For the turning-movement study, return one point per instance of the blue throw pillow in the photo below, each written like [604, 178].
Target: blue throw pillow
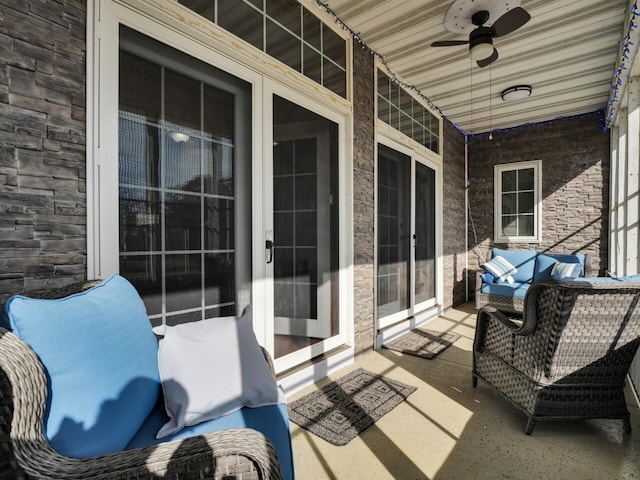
[100, 357]
[487, 277]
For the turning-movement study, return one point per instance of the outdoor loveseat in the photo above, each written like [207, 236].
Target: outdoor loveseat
[81, 397]
[569, 356]
[531, 266]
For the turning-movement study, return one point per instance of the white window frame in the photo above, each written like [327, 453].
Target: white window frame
[497, 202]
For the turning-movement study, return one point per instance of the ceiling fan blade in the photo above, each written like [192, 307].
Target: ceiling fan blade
[510, 21]
[489, 60]
[450, 43]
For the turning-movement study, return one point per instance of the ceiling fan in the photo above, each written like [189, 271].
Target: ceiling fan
[481, 38]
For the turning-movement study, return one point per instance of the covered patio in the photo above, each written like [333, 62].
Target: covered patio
[344, 168]
[449, 430]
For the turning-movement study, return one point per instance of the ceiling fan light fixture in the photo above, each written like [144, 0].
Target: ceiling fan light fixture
[481, 51]
[517, 92]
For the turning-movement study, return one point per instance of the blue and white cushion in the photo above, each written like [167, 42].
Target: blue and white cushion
[500, 268]
[566, 270]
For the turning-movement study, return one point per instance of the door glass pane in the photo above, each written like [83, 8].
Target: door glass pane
[305, 257]
[425, 234]
[184, 205]
[394, 230]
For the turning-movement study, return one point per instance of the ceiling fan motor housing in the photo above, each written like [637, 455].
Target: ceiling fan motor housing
[480, 35]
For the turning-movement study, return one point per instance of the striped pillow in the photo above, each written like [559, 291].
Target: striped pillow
[566, 270]
[500, 268]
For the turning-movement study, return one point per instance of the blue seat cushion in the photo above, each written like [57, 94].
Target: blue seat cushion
[506, 289]
[100, 358]
[270, 420]
[545, 262]
[523, 260]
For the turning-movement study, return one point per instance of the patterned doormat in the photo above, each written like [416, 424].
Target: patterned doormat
[342, 409]
[422, 343]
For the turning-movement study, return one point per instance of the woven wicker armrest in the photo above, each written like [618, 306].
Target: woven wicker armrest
[237, 453]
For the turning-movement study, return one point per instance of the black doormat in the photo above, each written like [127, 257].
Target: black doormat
[422, 343]
[342, 409]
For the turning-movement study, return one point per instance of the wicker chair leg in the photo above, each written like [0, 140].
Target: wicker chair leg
[474, 381]
[531, 423]
[627, 424]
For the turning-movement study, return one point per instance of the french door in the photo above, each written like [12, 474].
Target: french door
[303, 245]
[407, 274]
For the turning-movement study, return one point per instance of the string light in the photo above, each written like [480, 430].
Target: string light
[617, 81]
[598, 113]
[605, 123]
[392, 75]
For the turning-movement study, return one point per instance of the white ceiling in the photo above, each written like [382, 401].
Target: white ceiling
[567, 52]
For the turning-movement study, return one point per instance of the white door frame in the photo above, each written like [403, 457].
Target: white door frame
[184, 30]
[424, 158]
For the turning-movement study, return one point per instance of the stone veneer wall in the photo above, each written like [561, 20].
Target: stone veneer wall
[454, 277]
[363, 199]
[42, 144]
[575, 186]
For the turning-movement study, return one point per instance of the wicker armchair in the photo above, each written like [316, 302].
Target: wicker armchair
[25, 452]
[569, 356]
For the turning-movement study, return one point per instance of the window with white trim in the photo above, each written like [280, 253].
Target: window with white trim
[518, 202]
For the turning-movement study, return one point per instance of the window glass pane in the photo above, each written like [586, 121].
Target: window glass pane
[509, 203]
[138, 151]
[219, 278]
[383, 110]
[526, 202]
[286, 13]
[406, 103]
[142, 97]
[509, 225]
[526, 225]
[393, 196]
[178, 237]
[145, 272]
[182, 222]
[425, 240]
[312, 64]
[305, 227]
[202, 7]
[218, 168]
[406, 124]
[418, 133]
[241, 20]
[219, 224]
[182, 100]
[526, 179]
[183, 281]
[383, 85]
[335, 79]
[182, 162]
[139, 220]
[311, 26]
[283, 46]
[218, 114]
[334, 46]
[509, 181]
[407, 114]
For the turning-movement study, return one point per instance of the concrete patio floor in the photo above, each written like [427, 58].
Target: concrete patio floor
[448, 430]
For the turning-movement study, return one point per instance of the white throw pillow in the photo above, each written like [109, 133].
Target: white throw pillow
[500, 268]
[566, 270]
[211, 368]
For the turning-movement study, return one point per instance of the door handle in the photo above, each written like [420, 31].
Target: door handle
[269, 247]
